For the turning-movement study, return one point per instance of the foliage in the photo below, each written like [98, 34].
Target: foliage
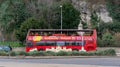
[108, 39]
[37, 53]
[107, 52]
[75, 53]
[22, 53]
[100, 42]
[71, 17]
[30, 23]
[12, 44]
[70, 20]
[13, 53]
[15, 18]
[3, 53]
[50, 53]
[94, 20]
[13, 14]
[61, 53]
[85, 26]
[115, 27]
[113, 7]
[117, 39]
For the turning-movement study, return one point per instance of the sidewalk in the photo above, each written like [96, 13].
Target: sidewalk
[11, 64]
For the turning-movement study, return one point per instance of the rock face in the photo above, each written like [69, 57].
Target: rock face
[86, 8]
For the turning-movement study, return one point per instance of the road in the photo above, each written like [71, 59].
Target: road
[111, 61]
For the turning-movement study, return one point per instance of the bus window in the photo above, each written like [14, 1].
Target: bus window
[70, 43]
[60, 43]
[29, 44]
[41, 43]
[50, 43]
[79, 43]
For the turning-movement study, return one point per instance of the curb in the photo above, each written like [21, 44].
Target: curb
[54, 57]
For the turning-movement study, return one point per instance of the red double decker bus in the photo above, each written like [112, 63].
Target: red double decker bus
[60, 40]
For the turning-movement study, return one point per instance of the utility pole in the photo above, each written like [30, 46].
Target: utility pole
[61, 18]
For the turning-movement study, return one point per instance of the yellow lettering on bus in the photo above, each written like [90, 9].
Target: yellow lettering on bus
[37, 38]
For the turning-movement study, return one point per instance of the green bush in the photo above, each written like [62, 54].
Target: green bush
[12, 44]
[108, 52]
[107, 40]
[34, 53]
[62, 53]
[3, 53]
[37, 53]
[41, 53]
[75, 53]
[22, 53]
[12, 53]
[90, 53]
[83, 54]
[50, 53]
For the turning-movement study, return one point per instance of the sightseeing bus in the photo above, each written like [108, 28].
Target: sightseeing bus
[60, 40]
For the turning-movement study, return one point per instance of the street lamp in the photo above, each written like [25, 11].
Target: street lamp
[61, 18]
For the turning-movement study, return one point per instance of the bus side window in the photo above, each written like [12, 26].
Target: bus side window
[48, 43]
[79, 43]
[41, 43]
[69, 43]
[60, 43]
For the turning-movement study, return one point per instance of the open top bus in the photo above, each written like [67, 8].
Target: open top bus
[60, 40]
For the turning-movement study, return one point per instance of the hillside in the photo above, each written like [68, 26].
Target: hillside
[102, 15]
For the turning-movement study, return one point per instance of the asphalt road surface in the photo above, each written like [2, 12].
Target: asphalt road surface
[111, 61]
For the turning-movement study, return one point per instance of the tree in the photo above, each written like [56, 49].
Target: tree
[13, 13]
[113, 7]
[19, 14]
[115, 27]
[94, 20]
[30, 23]
[71, 16]
[108, 39]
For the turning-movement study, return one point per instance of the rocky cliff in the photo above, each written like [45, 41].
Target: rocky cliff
[87, 7]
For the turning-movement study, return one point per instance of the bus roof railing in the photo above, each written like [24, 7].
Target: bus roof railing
[52, 30]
